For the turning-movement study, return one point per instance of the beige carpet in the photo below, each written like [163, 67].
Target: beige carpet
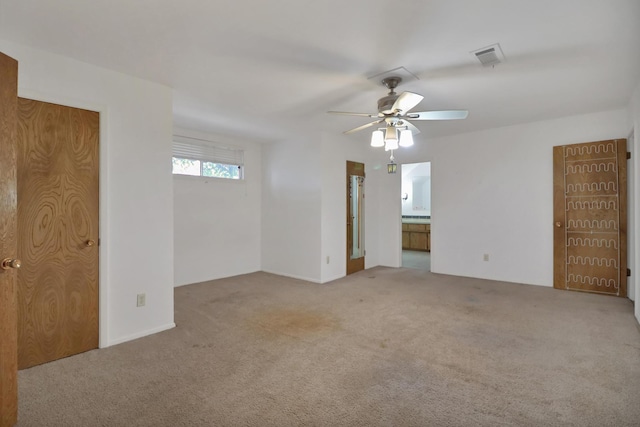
[384, 347]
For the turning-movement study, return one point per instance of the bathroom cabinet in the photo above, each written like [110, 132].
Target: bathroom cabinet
[416, 237]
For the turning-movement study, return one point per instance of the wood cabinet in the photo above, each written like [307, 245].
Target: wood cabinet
[416, 237]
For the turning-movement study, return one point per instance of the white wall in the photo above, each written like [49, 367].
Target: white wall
[492, 193]
[336, 150]
[634, 198]
[291, 192]
[217, 221]
[304, 206]
[136, 210]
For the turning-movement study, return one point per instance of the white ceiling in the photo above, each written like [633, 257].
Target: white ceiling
[264, 69]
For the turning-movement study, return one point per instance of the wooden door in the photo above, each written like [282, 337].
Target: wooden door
[8, 249]
[590, 216]
[58, 229]
[355, 217]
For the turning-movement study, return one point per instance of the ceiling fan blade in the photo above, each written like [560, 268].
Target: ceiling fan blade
[410, 126]
[406, 101]
[363, 127]
[346, 113]
[438, 115]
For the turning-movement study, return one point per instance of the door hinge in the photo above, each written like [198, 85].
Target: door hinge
[628, 272]
[628, 155]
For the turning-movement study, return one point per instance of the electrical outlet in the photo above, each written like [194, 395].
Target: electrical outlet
[328, 259]
[142, 300]
[486, 257]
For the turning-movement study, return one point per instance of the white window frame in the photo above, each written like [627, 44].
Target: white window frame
[206, 151]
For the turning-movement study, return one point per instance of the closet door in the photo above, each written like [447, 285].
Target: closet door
[590, 217]
[58, 189]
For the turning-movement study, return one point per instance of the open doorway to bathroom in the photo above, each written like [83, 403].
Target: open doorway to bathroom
[416, 215]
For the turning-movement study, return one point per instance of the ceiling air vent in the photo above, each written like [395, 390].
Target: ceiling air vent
[489, 56]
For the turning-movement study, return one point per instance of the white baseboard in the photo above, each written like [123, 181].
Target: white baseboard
[196, 280]
[331, 279]
[140, 335]
[293, 276]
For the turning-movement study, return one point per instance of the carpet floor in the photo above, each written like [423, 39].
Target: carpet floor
[382, 347]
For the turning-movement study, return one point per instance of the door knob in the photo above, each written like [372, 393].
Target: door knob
[8, 263]
[89, 243]
[558, 224]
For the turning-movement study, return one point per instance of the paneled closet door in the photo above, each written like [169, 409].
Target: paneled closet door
[590, 217]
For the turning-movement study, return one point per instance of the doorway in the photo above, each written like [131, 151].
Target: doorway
[416, 215]
[355, 217]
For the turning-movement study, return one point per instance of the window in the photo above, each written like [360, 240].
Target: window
[198, 157]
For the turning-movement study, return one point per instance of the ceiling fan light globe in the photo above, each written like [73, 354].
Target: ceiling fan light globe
[377, 139]
[391, 138]
[391, 144]
[406, 138]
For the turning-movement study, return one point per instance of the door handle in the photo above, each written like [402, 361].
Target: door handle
[8, 263]
[558, 224]
[89, 243]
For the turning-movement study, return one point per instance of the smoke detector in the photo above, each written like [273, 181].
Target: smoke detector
[489, 56]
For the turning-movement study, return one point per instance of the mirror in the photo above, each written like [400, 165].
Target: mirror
[356, 206]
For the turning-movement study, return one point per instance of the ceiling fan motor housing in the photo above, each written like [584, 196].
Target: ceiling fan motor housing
[393, 110]
[386, 102]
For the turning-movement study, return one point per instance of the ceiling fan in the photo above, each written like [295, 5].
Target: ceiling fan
[393, 110]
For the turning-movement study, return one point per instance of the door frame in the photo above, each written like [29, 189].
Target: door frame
[358, 264]
[103, 265]
[632, 286]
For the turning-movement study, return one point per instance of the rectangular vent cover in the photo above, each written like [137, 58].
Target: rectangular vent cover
[402, 72]
[490, 55]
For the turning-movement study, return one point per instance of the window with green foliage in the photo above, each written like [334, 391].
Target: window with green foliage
[197, 157]
[220, 170]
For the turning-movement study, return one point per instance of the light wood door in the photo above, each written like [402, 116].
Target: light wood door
[355, 217]
[590, 217]
[8, 249]
[58, 228]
